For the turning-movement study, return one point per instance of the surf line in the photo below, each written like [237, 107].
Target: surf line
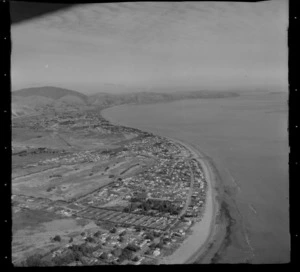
[233, 180]
[249, 245]
[252, 208]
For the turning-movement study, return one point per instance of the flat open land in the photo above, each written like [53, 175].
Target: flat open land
[75, 181]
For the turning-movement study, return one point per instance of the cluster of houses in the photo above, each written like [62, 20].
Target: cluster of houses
[137, 234]
[117, 245]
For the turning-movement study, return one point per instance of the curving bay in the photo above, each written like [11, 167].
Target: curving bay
[245, 142]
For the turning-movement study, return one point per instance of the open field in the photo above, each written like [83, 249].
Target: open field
[66, 181]
[32, 232]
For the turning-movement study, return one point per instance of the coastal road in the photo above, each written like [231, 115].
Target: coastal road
[188, 201]
[202, 232]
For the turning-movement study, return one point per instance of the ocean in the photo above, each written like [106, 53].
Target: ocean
[247, 138]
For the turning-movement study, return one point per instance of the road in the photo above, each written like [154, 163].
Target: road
[188, 200]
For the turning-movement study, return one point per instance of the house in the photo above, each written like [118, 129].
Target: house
[156, 252]
[56, 253]
[97, 253]
[75, 263]
[142, 244]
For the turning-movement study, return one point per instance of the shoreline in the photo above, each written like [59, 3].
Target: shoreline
[229, 229]
[190, 251]
[203, 232]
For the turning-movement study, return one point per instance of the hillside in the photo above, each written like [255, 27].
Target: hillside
[36, 100]
[48, 91]
[151, 97]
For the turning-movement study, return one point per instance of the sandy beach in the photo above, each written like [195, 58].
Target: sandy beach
[206, 236]
[202, 232]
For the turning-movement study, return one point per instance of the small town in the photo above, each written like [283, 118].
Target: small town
[154, 191]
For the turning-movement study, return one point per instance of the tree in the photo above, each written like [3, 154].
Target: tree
[126, 209]
[138, 228]
[104, 256]
[127, 254]
[135, 259]
[117, 252]
[113, 230]
[36, 260]
[160, 244]
[57, 238]
[150, 236]
[97, 234]
[132, 247]
[156, 234]
[90, 239]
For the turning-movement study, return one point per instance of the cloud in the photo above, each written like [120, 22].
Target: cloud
[149, 42]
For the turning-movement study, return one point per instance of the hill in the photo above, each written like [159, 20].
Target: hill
[48, 91]
[36, 100]
[151, 97]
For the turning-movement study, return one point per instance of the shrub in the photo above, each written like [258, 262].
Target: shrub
[126, 209]
[150, 236]
[90, 239]
[126, 254]
[66, 259]
[132, 247]
[135, 259]
[113, 230]
[97, 234]
[57, 238]
[36, 260]
[117, 252]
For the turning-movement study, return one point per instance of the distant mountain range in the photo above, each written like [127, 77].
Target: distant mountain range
[34, 100]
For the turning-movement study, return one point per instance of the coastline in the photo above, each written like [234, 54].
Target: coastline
[228, 240]
[204, 233]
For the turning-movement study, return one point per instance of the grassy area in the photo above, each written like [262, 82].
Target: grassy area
[82, 222]
[31, 219]
[21, 161]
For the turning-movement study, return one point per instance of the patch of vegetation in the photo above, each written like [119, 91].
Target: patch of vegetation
[82, 222]
[57, 238]
[36, 260]
[31, 219]
[151, 204]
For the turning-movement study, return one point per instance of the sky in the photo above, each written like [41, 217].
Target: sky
[152, 46]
